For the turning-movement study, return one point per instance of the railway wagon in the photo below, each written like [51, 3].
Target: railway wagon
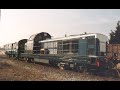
[113, 51]
[77, 52]
[11, 49]
[26, 46]
[32, 46]
[15, 49]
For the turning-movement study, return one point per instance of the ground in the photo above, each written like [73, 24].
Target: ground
[16, 70]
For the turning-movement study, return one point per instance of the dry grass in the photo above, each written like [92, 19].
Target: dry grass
[15, 70]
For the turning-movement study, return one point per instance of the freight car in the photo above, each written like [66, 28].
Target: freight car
[113, 51]
[15, 49]
[26, 46]
[11, 49]
[83, 52]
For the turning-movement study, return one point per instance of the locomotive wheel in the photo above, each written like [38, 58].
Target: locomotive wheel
[79, 69]
[53, 64]
[110, 65]
[32, 60]
[61, 66]
[114, 73]
[26, 60]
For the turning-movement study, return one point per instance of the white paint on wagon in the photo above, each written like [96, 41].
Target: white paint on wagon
[41, 60]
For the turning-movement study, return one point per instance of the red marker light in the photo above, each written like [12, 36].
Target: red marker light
[97, 63]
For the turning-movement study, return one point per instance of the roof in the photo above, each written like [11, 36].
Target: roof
[32, 37]
[45, 34]
[70, 37]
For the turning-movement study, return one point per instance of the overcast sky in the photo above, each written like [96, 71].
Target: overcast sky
[18, 24]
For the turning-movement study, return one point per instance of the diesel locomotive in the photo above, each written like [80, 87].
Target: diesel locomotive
[81, 52]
